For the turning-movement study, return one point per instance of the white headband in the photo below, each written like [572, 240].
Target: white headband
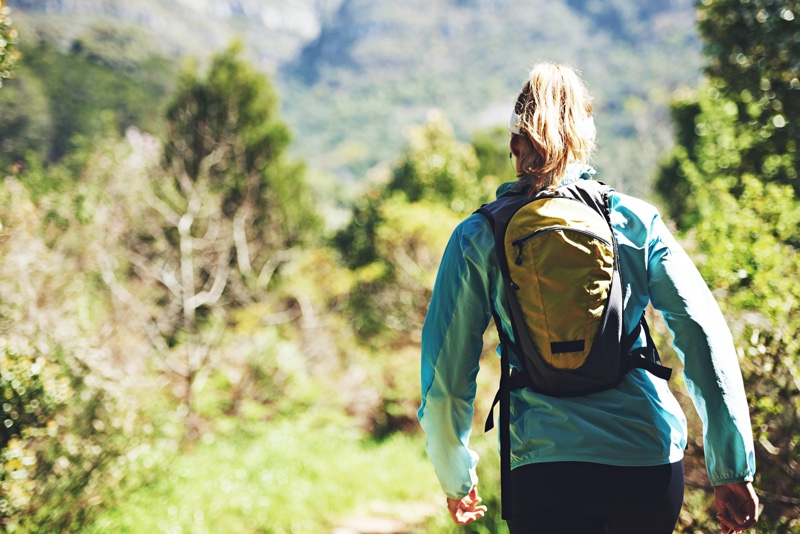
[514, 123]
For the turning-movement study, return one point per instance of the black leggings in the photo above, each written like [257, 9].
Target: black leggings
[588, 498]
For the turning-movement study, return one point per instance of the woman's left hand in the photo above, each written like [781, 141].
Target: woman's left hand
[466, 510]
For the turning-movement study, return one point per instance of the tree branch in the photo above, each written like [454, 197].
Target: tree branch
[272, 264]
[240, 240]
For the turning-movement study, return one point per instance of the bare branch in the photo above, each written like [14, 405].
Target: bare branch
[272, 265]
[240, 239]
[170, 192]
[212, 159]
[170, 215]
[239, 292]
[212, 236]
[164, 275]
[187, 268]
[307, 311]
[204, 351]
[283, 317]
[171, 365]
[140, 312]
[220, 277]
[187, 186]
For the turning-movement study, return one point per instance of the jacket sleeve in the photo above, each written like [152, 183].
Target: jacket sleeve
[704, 343]
[452, 342]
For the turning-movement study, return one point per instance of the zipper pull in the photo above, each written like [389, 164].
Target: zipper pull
[513, 284]
[518, 259]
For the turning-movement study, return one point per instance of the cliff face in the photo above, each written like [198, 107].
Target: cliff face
[275, 30]
[378, 65]
[353, 74]
[311, 36]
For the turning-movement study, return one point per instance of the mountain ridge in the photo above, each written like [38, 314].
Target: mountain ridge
[353, 74]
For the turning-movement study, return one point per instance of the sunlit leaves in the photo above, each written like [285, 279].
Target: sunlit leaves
[746, 245]
[439, 168]
[733, 183]
[9, 54]
[62, 431]
[399, 228]
[59, 432]
[753, 48]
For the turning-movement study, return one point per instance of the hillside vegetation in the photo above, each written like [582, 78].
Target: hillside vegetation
[354, 74]
[214, 271]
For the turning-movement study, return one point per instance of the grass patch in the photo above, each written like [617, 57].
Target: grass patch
[274, 477]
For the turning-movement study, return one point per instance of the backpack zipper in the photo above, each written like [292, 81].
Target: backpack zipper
[520, 241]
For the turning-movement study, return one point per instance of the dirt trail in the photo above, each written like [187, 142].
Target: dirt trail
[385, 518]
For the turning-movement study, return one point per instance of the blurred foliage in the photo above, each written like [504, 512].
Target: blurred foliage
[392, 246]
[227, 125]
[749, 256]
[9, 39]
[66, 424]
[731, 184]
[749, 110]
[71, 97]
[207, 222]
[401, 224]
[312, 472]
[62, 441]
[494, 154]
[753, 48]
[438, 168]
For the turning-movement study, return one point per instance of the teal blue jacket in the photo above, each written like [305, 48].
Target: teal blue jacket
[638, 423]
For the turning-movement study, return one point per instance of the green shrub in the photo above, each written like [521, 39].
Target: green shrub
[61, 438]
[8, 44]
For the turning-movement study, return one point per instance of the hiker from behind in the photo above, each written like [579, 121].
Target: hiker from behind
[591, 437]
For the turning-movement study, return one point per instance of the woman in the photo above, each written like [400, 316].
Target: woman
[610, 461]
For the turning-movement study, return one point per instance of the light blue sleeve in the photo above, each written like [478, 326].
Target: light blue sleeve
[704, 343]
[452, 341]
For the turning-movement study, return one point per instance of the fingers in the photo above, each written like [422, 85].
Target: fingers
[466, 510]
[726, 524]
[738, 507]
[464, 517]
[735, 524]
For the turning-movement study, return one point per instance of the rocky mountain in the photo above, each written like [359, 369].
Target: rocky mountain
[275, 30]
[353, 74]
[378, 65]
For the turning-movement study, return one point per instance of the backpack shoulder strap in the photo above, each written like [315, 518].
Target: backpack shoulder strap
[499, 213]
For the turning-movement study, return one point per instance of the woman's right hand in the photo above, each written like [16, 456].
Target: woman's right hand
[737, 504]
[466, 510]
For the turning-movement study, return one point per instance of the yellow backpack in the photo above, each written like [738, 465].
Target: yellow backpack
[560, 266]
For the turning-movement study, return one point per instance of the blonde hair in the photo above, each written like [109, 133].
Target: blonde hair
[554, 112]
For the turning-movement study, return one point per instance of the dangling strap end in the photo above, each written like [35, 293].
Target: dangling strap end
[662, 372]
[490, 418]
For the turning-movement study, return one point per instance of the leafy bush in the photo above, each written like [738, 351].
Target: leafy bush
[743, 230]
[732, 185]
[400, 227]
[8, 44]
[62, 438]
[750, 258]
[65, 420]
